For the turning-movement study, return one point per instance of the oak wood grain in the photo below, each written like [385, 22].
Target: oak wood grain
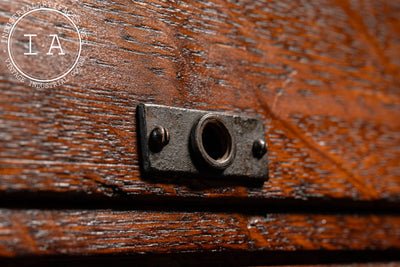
[322, 76]
[95, 232]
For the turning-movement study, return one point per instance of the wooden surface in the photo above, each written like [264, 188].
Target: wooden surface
[323, 77]
[88, 232]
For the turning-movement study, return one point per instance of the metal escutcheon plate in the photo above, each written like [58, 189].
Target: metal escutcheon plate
[186, 142]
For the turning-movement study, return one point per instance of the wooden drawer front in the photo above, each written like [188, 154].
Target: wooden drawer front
[94, 232]
[322, 77]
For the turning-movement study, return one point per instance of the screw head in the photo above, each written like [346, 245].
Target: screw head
[159, 138]
[259, 148]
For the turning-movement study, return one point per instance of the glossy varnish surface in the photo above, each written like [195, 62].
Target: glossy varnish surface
[88, 232]
[323, 77]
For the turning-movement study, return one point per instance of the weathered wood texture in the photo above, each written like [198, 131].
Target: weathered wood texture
[75, 232]
[322, 75]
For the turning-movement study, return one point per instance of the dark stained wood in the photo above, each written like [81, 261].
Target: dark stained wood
[92, 232]
[322, 75]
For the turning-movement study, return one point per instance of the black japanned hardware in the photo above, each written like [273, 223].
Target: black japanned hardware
[205, 144]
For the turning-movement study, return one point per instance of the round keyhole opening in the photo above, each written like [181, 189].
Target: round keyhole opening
[212, 142]
[217, 141]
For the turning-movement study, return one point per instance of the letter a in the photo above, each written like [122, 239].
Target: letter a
[55, 37]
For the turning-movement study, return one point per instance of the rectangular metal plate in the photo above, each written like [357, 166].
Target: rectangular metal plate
[176, 157]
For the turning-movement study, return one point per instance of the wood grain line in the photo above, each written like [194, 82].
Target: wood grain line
[79, 232]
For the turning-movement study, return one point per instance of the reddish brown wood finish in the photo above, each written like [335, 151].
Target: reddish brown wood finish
[322, 75]
[76, 232]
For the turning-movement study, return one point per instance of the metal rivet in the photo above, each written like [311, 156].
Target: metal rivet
[159, 138]
[259, 148]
